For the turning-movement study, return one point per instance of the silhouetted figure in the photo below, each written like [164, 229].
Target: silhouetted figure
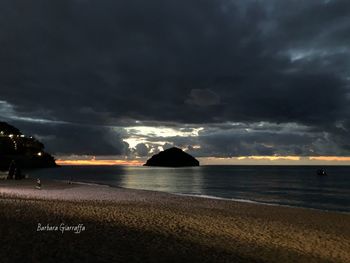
[12, 169]
[38, 184]
[70, 179]
[18, 173]
[321, 172]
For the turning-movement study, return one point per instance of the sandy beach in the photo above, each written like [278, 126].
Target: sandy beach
[123, 225]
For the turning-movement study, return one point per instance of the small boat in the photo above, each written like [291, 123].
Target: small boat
[321, 172]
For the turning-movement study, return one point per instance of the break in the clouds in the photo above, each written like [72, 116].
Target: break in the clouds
[81, 69]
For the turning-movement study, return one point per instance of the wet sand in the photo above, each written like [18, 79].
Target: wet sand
[123, 225]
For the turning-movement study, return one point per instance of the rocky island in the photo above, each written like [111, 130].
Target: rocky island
[26, 151]
[173, 157]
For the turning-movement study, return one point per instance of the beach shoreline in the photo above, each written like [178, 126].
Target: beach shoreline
[53, 184]
[176, 227]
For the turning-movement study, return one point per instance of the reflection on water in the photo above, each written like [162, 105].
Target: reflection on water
[296, 185]
[175, 180]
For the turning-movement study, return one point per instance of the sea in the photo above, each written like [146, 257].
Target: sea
[297, 186]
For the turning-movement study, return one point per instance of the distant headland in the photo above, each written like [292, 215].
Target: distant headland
[173, 157]
[27, 152]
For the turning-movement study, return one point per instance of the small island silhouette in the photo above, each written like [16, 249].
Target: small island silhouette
[173, 157]
[26, 152]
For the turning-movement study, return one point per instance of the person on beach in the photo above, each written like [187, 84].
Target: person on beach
[12, 169]
[18, 173]
[38, 184]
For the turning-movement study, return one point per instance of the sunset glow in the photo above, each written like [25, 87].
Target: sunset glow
[100, 162]
[271, 158]
[241, 160]
[331, 158]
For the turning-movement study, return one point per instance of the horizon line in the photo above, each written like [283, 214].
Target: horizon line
[239, 160]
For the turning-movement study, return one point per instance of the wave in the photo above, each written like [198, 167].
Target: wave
[89, 184]
[216, 198]
[257, 202]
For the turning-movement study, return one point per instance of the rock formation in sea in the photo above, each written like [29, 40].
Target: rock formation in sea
[26, 151]
[173, 157]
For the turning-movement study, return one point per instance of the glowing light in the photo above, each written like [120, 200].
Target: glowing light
[39, 154]
[162, 131]
[141, 134]
[133, 141]
[271, 158]
[240, 160]
[196, 146]
[277, 160]
[93, 161]
[331, 158]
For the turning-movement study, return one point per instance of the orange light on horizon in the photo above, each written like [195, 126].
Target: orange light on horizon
[270, 158]
[217, 161]
[99, 162]
[330, 158]
[276, 160]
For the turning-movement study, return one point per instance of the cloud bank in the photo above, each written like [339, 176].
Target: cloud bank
[259, 77]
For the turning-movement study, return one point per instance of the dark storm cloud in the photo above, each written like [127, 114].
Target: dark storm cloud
[65, 139]
[195, 62]
[204, 97]
[142, 150]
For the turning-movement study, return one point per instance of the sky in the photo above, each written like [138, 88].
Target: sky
[229, 81]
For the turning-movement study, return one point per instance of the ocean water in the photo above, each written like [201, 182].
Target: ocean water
[281, 185]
